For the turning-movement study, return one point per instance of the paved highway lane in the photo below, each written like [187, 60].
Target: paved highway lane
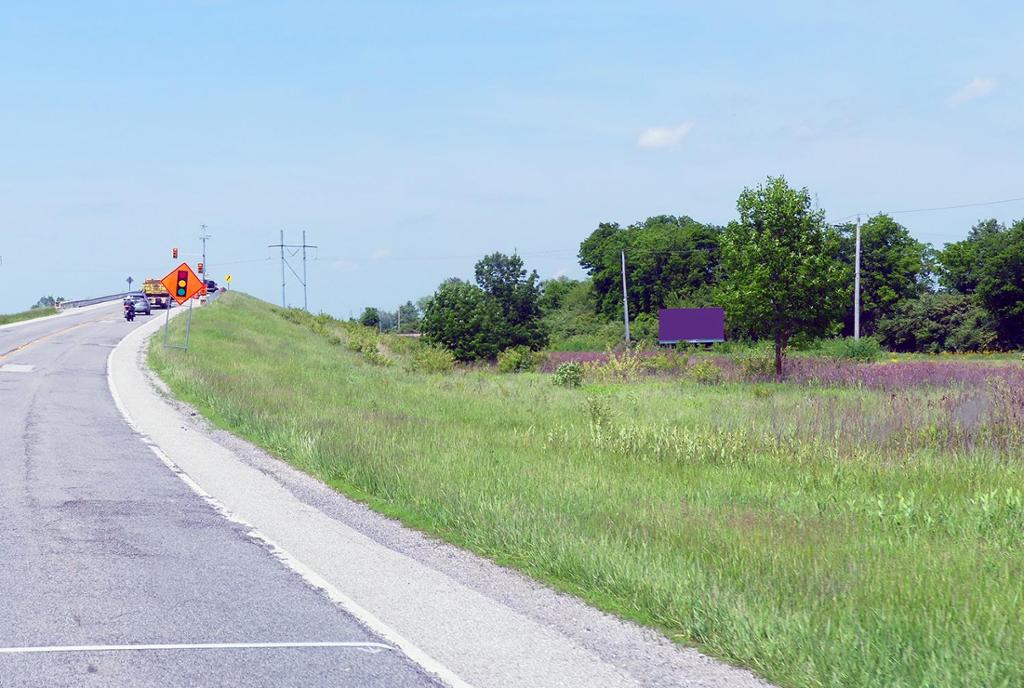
[101, 545]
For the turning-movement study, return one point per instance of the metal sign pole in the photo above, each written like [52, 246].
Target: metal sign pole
[188, 325]
[167, 320]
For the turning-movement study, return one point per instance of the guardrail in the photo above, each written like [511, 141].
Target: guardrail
[88, 302]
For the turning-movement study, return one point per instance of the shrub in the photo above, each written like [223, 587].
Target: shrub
[707, 373]
[865, 349]
[518, 359]
[625, 366]
[666, 362]
[569, 374]
[432, 359]
[756, 365]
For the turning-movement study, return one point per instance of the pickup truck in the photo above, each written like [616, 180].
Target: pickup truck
[157, 293]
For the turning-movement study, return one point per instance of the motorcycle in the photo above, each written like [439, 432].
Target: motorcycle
[129, 312]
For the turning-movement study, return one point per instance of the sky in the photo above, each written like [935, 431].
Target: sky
[409, 138]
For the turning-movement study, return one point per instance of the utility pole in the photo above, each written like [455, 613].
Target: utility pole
[856, 286]
[625, 297]
[204, 236]
[284, 263]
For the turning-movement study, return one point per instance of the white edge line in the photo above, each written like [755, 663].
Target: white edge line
[376, 647]
[412, 651]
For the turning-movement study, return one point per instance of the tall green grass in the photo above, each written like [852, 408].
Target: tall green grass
[731, 517]
[26, 315]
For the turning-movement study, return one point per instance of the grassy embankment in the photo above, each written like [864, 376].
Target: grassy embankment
[813, 535]
[26, 315]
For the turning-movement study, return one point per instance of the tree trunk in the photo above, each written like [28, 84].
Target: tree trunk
[779, 347]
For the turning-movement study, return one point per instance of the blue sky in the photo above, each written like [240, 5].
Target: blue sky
[409, 138]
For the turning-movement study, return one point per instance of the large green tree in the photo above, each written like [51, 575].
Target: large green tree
[989, 263]
[463, 318]
[668, 260]
[782, 275]
[518, 295]
[893, 267]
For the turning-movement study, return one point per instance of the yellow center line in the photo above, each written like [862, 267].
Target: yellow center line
[22, 347]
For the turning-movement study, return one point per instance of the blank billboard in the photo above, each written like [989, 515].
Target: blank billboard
[693, 325]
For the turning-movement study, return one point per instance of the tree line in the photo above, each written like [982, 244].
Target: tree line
[781, 272]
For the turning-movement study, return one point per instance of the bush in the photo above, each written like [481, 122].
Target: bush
[625, 366]
[432, 359]
[865, 349]
[756, 365]
[569, 374]
[707, 373]
[518, 359]
[666, 362]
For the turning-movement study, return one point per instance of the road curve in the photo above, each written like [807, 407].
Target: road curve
[115, 573]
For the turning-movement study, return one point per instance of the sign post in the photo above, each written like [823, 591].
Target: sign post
[182, 284]
[130, 280]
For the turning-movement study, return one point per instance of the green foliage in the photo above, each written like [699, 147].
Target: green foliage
[756, 364]
[48, 302]
[370, 317]
[569, 374]
[518, 295]
[517, 359]
[465, 320]
[575, 325]
[623, 366]
[893, 268]
[432, 359]
[644, 327]
[865, 349]
[666, 361]
[667, 257]
[705, 372]
[990, 263]
[938, 322]
[782, 277]
[408, 317]
[477, 321]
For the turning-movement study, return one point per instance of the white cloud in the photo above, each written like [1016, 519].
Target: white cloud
[663, 137]
[976, 88]
[381, 254]
[344, 265]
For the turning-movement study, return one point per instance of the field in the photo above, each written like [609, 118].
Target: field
[840, 534]
[26, 315]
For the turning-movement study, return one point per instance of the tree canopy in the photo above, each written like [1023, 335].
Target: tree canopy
[893, 268]
[669, 259]
[990, 264]
[782, 275]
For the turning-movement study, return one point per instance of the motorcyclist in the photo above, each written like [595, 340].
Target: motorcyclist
[129, 310]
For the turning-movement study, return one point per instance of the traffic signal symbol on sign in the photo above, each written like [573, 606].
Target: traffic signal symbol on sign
[182, 284]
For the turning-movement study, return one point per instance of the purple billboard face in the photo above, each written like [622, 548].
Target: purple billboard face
[696, 325]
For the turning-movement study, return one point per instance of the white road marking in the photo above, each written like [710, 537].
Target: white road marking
[16, 368]
[370, 647]
[368, 618]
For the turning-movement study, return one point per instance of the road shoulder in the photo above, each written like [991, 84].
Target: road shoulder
[471, 621]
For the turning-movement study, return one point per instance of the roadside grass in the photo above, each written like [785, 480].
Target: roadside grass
[742, 519]
[26, 315]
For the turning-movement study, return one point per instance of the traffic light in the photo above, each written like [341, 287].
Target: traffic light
[200, 266]
[182, 283]
[174, 253]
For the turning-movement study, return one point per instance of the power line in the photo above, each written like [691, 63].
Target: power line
[939, 207]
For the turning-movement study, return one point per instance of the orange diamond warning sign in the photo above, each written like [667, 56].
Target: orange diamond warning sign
[182, 283]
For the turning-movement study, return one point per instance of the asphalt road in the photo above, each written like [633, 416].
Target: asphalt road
[102, 545]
